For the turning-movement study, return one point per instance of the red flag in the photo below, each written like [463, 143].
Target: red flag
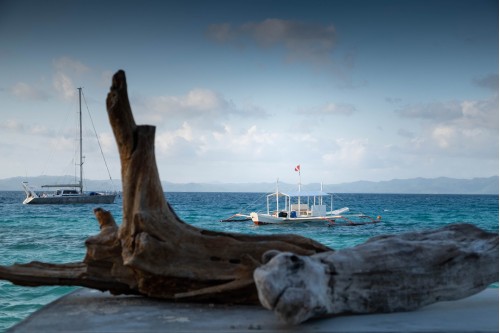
[297, 168]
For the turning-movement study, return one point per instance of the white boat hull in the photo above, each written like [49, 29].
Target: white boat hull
[260, 219]
[77, 199]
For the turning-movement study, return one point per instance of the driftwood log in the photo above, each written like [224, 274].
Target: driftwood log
[385, 274]
[154, 253]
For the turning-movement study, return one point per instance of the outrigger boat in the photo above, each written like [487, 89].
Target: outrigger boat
[303, 207]
[306, 207]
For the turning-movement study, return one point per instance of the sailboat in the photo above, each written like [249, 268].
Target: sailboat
[68, 193]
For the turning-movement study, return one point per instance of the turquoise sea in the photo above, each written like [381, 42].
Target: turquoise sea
[57, 233]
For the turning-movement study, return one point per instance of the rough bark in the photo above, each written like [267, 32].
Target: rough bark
[153, 252]
[385, 274]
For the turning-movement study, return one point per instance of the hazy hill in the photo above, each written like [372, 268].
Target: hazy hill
[442, 185]
[14, 184]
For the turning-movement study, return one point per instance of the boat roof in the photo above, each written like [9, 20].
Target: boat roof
[302, 194]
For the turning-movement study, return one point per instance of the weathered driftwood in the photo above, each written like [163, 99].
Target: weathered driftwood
[153, 252]
[385, 274]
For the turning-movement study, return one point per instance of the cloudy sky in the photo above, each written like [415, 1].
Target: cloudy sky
[243, 91]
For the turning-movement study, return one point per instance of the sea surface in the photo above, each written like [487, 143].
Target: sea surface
[57, 233]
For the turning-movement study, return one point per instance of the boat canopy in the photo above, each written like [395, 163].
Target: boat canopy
[301, 194]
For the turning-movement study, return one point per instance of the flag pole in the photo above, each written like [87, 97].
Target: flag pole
[297, 168]
[300, 183]
[300, 179]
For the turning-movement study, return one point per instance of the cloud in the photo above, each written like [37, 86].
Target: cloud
[196, 103]
[406, 133]
[202, 100]
[188, 143]
[12, 125]
[69, 65]
[443, 136]
[348, 152]
[172, 143]
[467, 128]
[200, 107]
[62, 143]
[25, 91]
[105, 77]
[489, 82]
[64, 86]
[16, 126]
[330, 109]
[203, 125]
[437, 111]
[304, 41]
[393, 100]
[108, 143]
[222, 32]
[66, 71]
[482, 113]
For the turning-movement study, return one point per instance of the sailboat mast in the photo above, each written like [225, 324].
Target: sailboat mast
[81, 141]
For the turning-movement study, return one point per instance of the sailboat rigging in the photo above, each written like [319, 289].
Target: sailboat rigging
[68, 193]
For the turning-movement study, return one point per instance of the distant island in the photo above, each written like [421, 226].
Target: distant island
[441, 185]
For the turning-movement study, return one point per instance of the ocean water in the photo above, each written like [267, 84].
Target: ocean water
[57, 233]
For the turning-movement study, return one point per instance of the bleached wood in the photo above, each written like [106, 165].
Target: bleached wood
[385, 274]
